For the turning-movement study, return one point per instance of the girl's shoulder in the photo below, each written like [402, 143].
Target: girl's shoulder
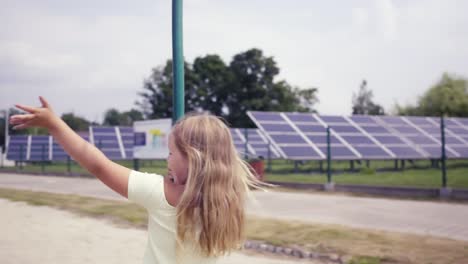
[148, 190]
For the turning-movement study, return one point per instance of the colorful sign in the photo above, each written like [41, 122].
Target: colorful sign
[156, 138]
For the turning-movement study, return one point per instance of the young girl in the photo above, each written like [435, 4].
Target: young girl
[196, 212]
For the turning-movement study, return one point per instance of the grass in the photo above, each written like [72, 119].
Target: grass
[418, 174]
[456, 178]
[362, 246]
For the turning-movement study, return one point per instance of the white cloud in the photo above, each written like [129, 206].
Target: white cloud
[388, 14]
[94, 55]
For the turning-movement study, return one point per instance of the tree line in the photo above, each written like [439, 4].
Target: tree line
[249, 82]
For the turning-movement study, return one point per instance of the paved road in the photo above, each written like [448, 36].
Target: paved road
[420, 217]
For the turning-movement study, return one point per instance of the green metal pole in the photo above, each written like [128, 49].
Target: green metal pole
[21, 157]
[177, 62]
[444, 157]
[328, 156]
[136, 164]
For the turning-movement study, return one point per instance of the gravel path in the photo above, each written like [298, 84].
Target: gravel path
[43, 235]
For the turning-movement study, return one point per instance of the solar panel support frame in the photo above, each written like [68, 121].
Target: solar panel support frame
[403, 138]
[259, 126]
[452, 134]
[119, 141]
[306, 139]
[422, 131]
[344, 142]
[28, 148]
[372, 138]
[460, 123]
[50, 147]
[91, 135]
[270, 145]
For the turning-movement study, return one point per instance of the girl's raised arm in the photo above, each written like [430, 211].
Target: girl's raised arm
[88, 156]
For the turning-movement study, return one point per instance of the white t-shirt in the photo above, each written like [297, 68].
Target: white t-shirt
[147, 190]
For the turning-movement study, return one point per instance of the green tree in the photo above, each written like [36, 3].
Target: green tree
[75, 122]
[449, 96]
[113, 117]
[211, 84]
[133, 115]
[254, 88]
[307, 99]
[156, 97]
[363, 103]
[227, 91]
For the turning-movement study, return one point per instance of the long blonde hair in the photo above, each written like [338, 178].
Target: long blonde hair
[210, 212]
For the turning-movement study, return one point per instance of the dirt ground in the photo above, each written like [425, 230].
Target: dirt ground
[43, 235]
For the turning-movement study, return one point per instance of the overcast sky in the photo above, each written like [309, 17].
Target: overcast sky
[88, 56]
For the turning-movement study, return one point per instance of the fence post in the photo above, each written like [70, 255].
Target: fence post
[329, 186]
[444, 157]
[445, 192]
[42, 159]
[68, 164]
[136, 164]
[1, 157]
[21, 157]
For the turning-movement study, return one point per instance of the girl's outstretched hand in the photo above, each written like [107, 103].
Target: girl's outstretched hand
[35, 116]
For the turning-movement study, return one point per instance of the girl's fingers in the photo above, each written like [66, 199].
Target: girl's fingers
[22, 126]
[23, 117]
[26, 108]
[18, 119]
[44, 102]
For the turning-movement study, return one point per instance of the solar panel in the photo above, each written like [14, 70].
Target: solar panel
[361, 120]
[107, 140]
[375, 130]
[399, 137]
[257, 143]
[128, 138]
[430, 141]
[115, 142]
[357, 140]
[295, 117]
[322, 139]
[405, 152]
[39, 148]
[17, 147]
[58, 153]
[300, 152]
[303, 135]
[372, 151]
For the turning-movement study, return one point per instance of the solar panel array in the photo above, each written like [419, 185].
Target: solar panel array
[302, 136]
[115, 142]
[297, 136]
[257, 144]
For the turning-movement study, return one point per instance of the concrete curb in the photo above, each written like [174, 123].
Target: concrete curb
[296, 252]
